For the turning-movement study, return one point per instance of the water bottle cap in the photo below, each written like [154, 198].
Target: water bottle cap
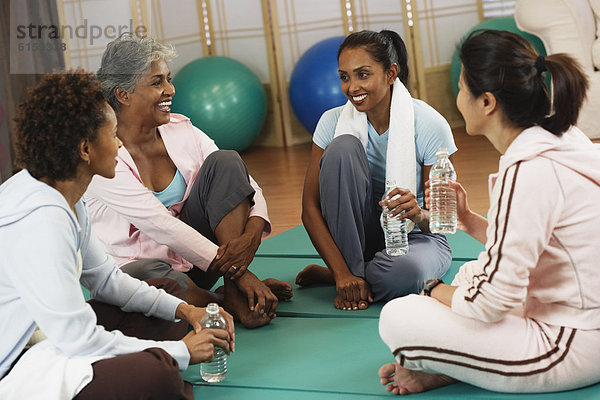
[390, 184]
[212, 308]
[442, 151]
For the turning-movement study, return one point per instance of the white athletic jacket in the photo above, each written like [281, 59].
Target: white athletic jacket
[543, 237]
[40, 238]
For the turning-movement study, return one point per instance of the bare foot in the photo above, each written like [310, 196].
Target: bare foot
[236, 303]
[314, 274]
[343, 304]
[281, 289]
[405, 381]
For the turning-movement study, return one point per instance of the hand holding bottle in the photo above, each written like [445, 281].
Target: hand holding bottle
[442, 201]
[202, 345]
[193, 315]
[399, 200]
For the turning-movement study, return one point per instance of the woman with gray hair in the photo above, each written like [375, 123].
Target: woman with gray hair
[178, 207]
[132, 339]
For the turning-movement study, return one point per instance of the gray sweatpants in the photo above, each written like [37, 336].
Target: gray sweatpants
[221, 184]
[351, 210]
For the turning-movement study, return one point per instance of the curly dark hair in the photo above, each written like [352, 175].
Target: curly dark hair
[58, 113]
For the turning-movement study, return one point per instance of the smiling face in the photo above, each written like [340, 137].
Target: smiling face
[103, 149]
[151, 99]
[364, 81]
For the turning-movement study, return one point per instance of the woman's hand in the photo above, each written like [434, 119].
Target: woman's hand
[466, 220]
[399, 200]
[462, 206]
[351, 291]
[201, 345]
[260, 297]
[234, 256]
[193, 315]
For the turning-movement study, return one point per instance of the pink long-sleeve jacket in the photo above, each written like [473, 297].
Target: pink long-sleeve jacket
[543, 237]
[133, 224]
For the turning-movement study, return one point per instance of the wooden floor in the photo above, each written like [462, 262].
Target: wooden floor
[280, 173]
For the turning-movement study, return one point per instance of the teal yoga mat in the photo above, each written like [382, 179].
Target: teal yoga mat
[230, 393]
[464, 247]
[339, 355]
[296, 243]
[454, 392]
[326, 358]
[291, 243]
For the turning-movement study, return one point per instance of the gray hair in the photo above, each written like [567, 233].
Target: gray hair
[125, 60]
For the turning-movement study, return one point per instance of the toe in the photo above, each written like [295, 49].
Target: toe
[347, 305]
[386, 370]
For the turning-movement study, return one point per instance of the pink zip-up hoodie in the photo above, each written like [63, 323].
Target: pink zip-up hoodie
[543, 237]
[133, 224]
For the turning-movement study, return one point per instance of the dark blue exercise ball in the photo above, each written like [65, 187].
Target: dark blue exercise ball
[315, 83]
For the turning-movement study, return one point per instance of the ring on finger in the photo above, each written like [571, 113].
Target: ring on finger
[233, 267]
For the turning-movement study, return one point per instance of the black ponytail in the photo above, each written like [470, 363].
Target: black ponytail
[569, 84]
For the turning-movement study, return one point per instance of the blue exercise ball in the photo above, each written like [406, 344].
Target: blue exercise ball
[501, 24]
[223, 98]
[315, 82]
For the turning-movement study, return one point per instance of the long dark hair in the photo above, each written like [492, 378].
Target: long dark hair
[506, 65]
[386, 47]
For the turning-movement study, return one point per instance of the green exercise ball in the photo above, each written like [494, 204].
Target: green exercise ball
[500, 24]
[223, 98]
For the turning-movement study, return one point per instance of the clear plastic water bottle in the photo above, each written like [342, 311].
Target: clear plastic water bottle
[215, 370]
[443, 198]
[396, 235]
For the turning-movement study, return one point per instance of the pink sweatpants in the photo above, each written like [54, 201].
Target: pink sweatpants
[516, 354]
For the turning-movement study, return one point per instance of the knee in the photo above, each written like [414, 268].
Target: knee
[224, 157]
[400, 319]
[391, 281]
[138, 269]
[225, 164]
[342, 147]
[168, 285]
[147, 269]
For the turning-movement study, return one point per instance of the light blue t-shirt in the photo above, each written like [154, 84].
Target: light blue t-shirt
[431, 132]
[174, 192]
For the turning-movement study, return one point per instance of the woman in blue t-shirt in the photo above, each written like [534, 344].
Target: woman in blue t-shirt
[345, 182]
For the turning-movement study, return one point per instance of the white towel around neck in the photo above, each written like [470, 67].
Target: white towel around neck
[400, 165]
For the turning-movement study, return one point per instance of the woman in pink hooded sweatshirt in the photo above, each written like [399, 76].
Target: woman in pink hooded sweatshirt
[524, 316]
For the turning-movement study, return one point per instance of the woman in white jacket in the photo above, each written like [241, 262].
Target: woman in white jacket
[524, 316]
[126, 343]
